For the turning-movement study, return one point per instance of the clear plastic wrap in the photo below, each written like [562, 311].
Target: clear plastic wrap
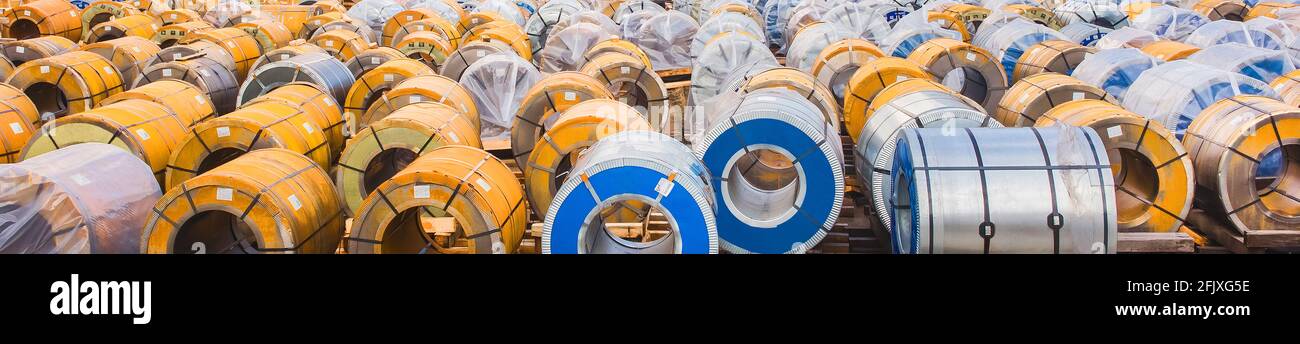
[1262, 64]
[1083, 33]
[726, 22]
[593, 17]
[1174, 93]
[374, 13]
[804, 13]
[704, 12]
[441, 7]
[1126, 37]
[632, 22]
[911, 31]
[776, 13]
[506, 8]
[811, 41]
[1228, 31]
[863, 20]
[83, 198]
[564, 49]
[1169, 21]
[993, 4]
[225, 11]
[1011, 39]
[725, 56]
[1114, 70]
[498, 83]
[1103, 13]
[540, 25]
[666, 39]
[635, 6]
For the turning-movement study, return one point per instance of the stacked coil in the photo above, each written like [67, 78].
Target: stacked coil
[43, 18]
[136, 25]
[835, 65]
[867, 82]
[1030, 97]
[575, 129]
[175, 33]
[18, 118]
[67, 83]
[325, 72]
[1051, 56]
[210, 75]
[149, 130]
[633, 82]
[372, 58]
[19, 52]
[130, 55]
[550, 96]
[968, 69]
[372, 85]
[1113, 70]
[239, 44]
[1174, 93]
[424, 88]
[184, 100]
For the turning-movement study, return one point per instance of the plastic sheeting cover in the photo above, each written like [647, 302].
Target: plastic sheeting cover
[1174, 93]
[1114, 70]
[912, 31]
[1126, 37]
[97, 197]
[1169, 21]
[1011, 40]
[666, 38]
[726, 22]
[507, 9]
[374, 12]
[498, 83]
[1228, 31]
[1262, 64]
[864, 20]
[564, 49]
[810, 43]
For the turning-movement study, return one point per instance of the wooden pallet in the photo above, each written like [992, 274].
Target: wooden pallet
[1244, 241]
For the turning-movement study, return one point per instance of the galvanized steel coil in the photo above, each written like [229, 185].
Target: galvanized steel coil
[1176, 92]
[835, 65]
[1100, 13]
[1113, 70]
[967, 69]
[719, 59]
[295, 48]
[219, 83]
[1258, 63]
[498, 84]
[1084, 34]
[319, 69]
[1050, 56]
[1012, 39]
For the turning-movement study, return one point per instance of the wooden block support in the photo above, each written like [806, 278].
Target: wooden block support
[1173, 242]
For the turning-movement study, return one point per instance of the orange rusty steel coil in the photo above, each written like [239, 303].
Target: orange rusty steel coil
[19, 52]
[175, 33]
[186, 101]
[634, 83]
[68, 83]
[1266, 9]
[319, 69]
[424, 88]
[135, 25]
[1168, 50]
[129, 55]
[13, 98]
[268, 201]
[292, 16]
[371, 58]
[258, 125]
[426, 46]
[837, 62]
[294, 48]
[178, 16]
[311, 97]
[269, 34]
[371, 86]
[1038, 15]
[341, 44]
[511, 35]
[374, 155]
[214, 79]
[462, 182]
[349, 24]
[326, 6]
[467, 54]
[981, 77]
[395, 23]
[868, 81]
[1030, 97]
[572, 131]
[1052, 55]
[6, 67]
[618, 46]
[1221, 9]
[43, 18]
[1228, 142]
[147, 129]
[443, 27]
[1288, 87]
[551, 95]
[316, 22]
[469, 21]
[1153, 175]
[103, 11]
[238, 43]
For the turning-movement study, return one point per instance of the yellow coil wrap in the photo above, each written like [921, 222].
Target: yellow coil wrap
[395, 23]
[103, 11]
[129, 55]
[424, 88]
[951, 22]
[147, 129]
[19, 52]
[372, 85]
[800, 82]
[16, 117]
[14, 98]
[1054, 56]
[177, 16]
[1288, 87]
[469, 21]
[461, 182]
[68, 83]
[43, 18]
[970, 16]
[135, 25]
[238, 43]
[187, 102]
[1266, 9]
[293, 49]
[311, 98]
[341, 44]
[211, 76]
[1039, 15]
[1221, 9]
[314, 22]
[632, 82]
[575, 129]
[371, 59]
[837, 62]
[510, 34]
[443, 27]
[270, 35]
[384, 148]
[175, 33]
[617, 46]
[1153, 175]
[942, 56]
[292, 16]
[868, 81]
[553, 94]
[426, 46]
[1031, 97]
[1169, 50]
[268, 201]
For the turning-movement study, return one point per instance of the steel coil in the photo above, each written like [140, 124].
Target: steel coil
[6, 67]
[1011, 41]
[374, 155]
[632, 83]
[1152, 172]
[268, 201]
[1125, 37]
[1168, 22]
[17, 118]
[551, 95]
[617, 46]
[1038, 15]
[1113, 70]
[103, 11]
[199, 48]
[269, 34]
[424, 88]
[427, 46]
[968, 69]
[19, 52]
[466, 55]
[214, 79]
[969, 16]
[565, 49]
[772, 200]
[914, 103]
[626, 8]
[810, 42]
[539, 26]
[341, 44]
[17, 101]
[633, 166]
[498, 84]
[1244, 150]
[867, 82]
[148, 130]
[312, 98]
[1099, 13]
[510, 35]
[441, 26]
[944, 199]
[295, 48]
[1174, 93]
[464, 183]
[574, 130]
[1233, 10]
[1050, 56]
[136, 25]
[1167, 50]
[666, 37]
[239, 44]
[179, 15]
[835, 65]
[1226, 31]
[67, 83]
[315, 22]
[42, 18]
[170, 35]
[1258, 63]
[1084, 34]
[725, 23]
[372, 85]
[1030, 97]
[128, 54]
[1287, 87]
[372, 58]
[1267, 9]
[184, 100]
[725, 54]
[800, 82]
[319, 69]
[472, 20]
[397, 21]
[355, 26]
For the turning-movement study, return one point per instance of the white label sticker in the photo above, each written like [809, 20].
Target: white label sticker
[176, 56]
[223, 131]
[483, 184]
[135, 49]
[625, 70]
[1114, 131]
[225, 194]
[27, 13]
[452, 136]
[970, 56]
[173, 16]
[167, 72]
[45, 69]
[284, 56]
[900, 78]
[20, 50]
[501, 73]
[1077, 95]
[307, 126]
[108, 28]
[416, 99]
[474, 21]
[108, 70]
[388, 78]
[328, 101]
[144, 135]
[419, 28]
[664, 186]
[410, 18]
[204, 72]
[421, 191]
[80, 179]
[329, 43]
[375, 60]
[16, 128]
[199, 99]
[570, 96]
[293, 202]
[480, 53]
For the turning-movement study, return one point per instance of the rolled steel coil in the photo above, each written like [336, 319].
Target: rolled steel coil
[510, 35]
[214, 79]
[42, 18]
[1174, 93]
[1030, 97]
[1152, 172]
[318, 69]
[498, 84]
[1126, 37]
[550, 96]
[372, 58]
[1246, 157]
[268, 201]
[313, 99]
[867, 82]
[175, 33]
[1226, 31]
[326, 6]
[744, 9]
[423, 88]
[1287, 87]
[1050, 56]
[950, 22]
[913, 103]
[1103, 14]
[67, 83]
[1259, 63]
[1267, 9]
[630, 7]
[341, 44]
[666, 37]
[800, 82]
[726, 23]
[396, 22]
[1233, 10]
[466, 55]
[200, 48]
[573, 130]
[295, 48]
[148, 130]
[188, 102]
[723, 55]
[1113, 70]
[968, 69]
[566, 49]
[179, 15]
[136, 25]
[361, 29]
[426, 46]
[1084, 34]
[443, 27]
[294, 17]
[128, 54]
[1167, 50]
[236, 42]
[372, 85]
[901, 41]
[540, 25]
[103, 11]
[14, 99]
[465, 183]
[1011, 41]
[835, 65]
[617, 46]
[259, 125]
[1038, 15]
[269, 34]
[19, 52]
[6, 67]
[810, 42]
[1066, 202]
[1168, 22]
[315, 22]
[633, 83]
[375, 155]
[87, 198]
[471, 20]
[969, 16]
[633, 166]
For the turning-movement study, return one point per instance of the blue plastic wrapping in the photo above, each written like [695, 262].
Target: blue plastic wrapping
[1011, 39]
[1169, 21]
[1174, 93]
[1114, 70]
[1259, 63]
[1228, 31]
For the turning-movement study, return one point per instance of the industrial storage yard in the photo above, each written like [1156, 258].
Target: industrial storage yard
[645, 126]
